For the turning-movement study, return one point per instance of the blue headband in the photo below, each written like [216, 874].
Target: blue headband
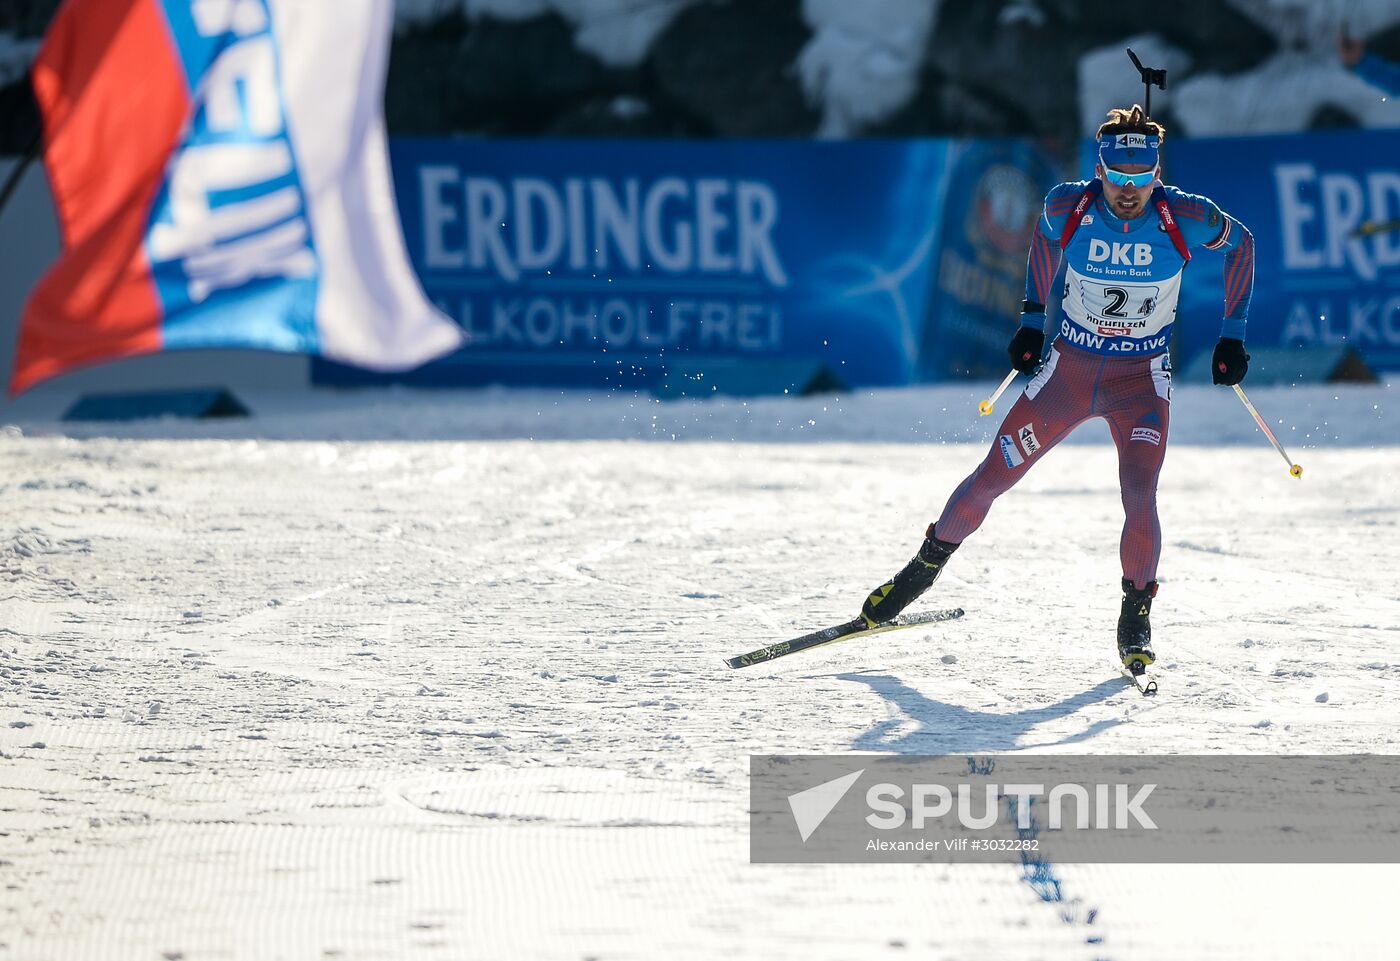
[1122, 149]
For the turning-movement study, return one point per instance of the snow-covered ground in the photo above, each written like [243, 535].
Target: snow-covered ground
[378, 675]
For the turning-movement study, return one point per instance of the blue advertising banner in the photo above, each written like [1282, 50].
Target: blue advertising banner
[597, 262]
[1325, 275]
[602, 262]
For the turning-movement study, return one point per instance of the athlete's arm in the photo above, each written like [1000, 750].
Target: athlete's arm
[1043, 261]
[1238, 244]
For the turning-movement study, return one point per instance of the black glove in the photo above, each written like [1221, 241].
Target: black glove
[1025, 349]
[1229, 363]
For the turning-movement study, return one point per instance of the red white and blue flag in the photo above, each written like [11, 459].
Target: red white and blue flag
[222, 180]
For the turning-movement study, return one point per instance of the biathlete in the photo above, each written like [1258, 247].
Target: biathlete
[1125, 239]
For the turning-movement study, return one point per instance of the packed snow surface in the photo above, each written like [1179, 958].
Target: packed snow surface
[399, 675]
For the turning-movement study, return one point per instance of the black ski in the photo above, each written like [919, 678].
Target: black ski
[1144, 682]
[852, 628]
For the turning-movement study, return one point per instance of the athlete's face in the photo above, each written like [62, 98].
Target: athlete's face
[1127, 201]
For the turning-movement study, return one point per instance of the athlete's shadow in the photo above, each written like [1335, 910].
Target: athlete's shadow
[951, 729]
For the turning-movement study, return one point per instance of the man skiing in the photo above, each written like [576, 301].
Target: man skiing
[1125, 238]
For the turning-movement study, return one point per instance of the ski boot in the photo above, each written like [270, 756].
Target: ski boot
[893, 596]
[1135, 627]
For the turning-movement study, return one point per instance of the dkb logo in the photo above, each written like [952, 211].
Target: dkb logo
[1132, 255]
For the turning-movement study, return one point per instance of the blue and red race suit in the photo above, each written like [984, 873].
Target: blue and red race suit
[1109, 360]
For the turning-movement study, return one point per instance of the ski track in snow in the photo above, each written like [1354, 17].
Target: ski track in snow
[373, 698]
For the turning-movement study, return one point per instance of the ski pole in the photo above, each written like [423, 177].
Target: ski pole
[1295, 469]
[986, 406]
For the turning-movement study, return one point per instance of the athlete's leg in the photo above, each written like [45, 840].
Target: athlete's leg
[1139, 418]
[1055, 402]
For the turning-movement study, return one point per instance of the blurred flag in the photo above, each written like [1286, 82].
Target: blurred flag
[222, 180]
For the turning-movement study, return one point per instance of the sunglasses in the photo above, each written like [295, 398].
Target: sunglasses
[1121, 179]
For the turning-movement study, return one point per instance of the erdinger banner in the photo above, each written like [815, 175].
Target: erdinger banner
[598, 262]
[221, 178]
[1325, 213]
